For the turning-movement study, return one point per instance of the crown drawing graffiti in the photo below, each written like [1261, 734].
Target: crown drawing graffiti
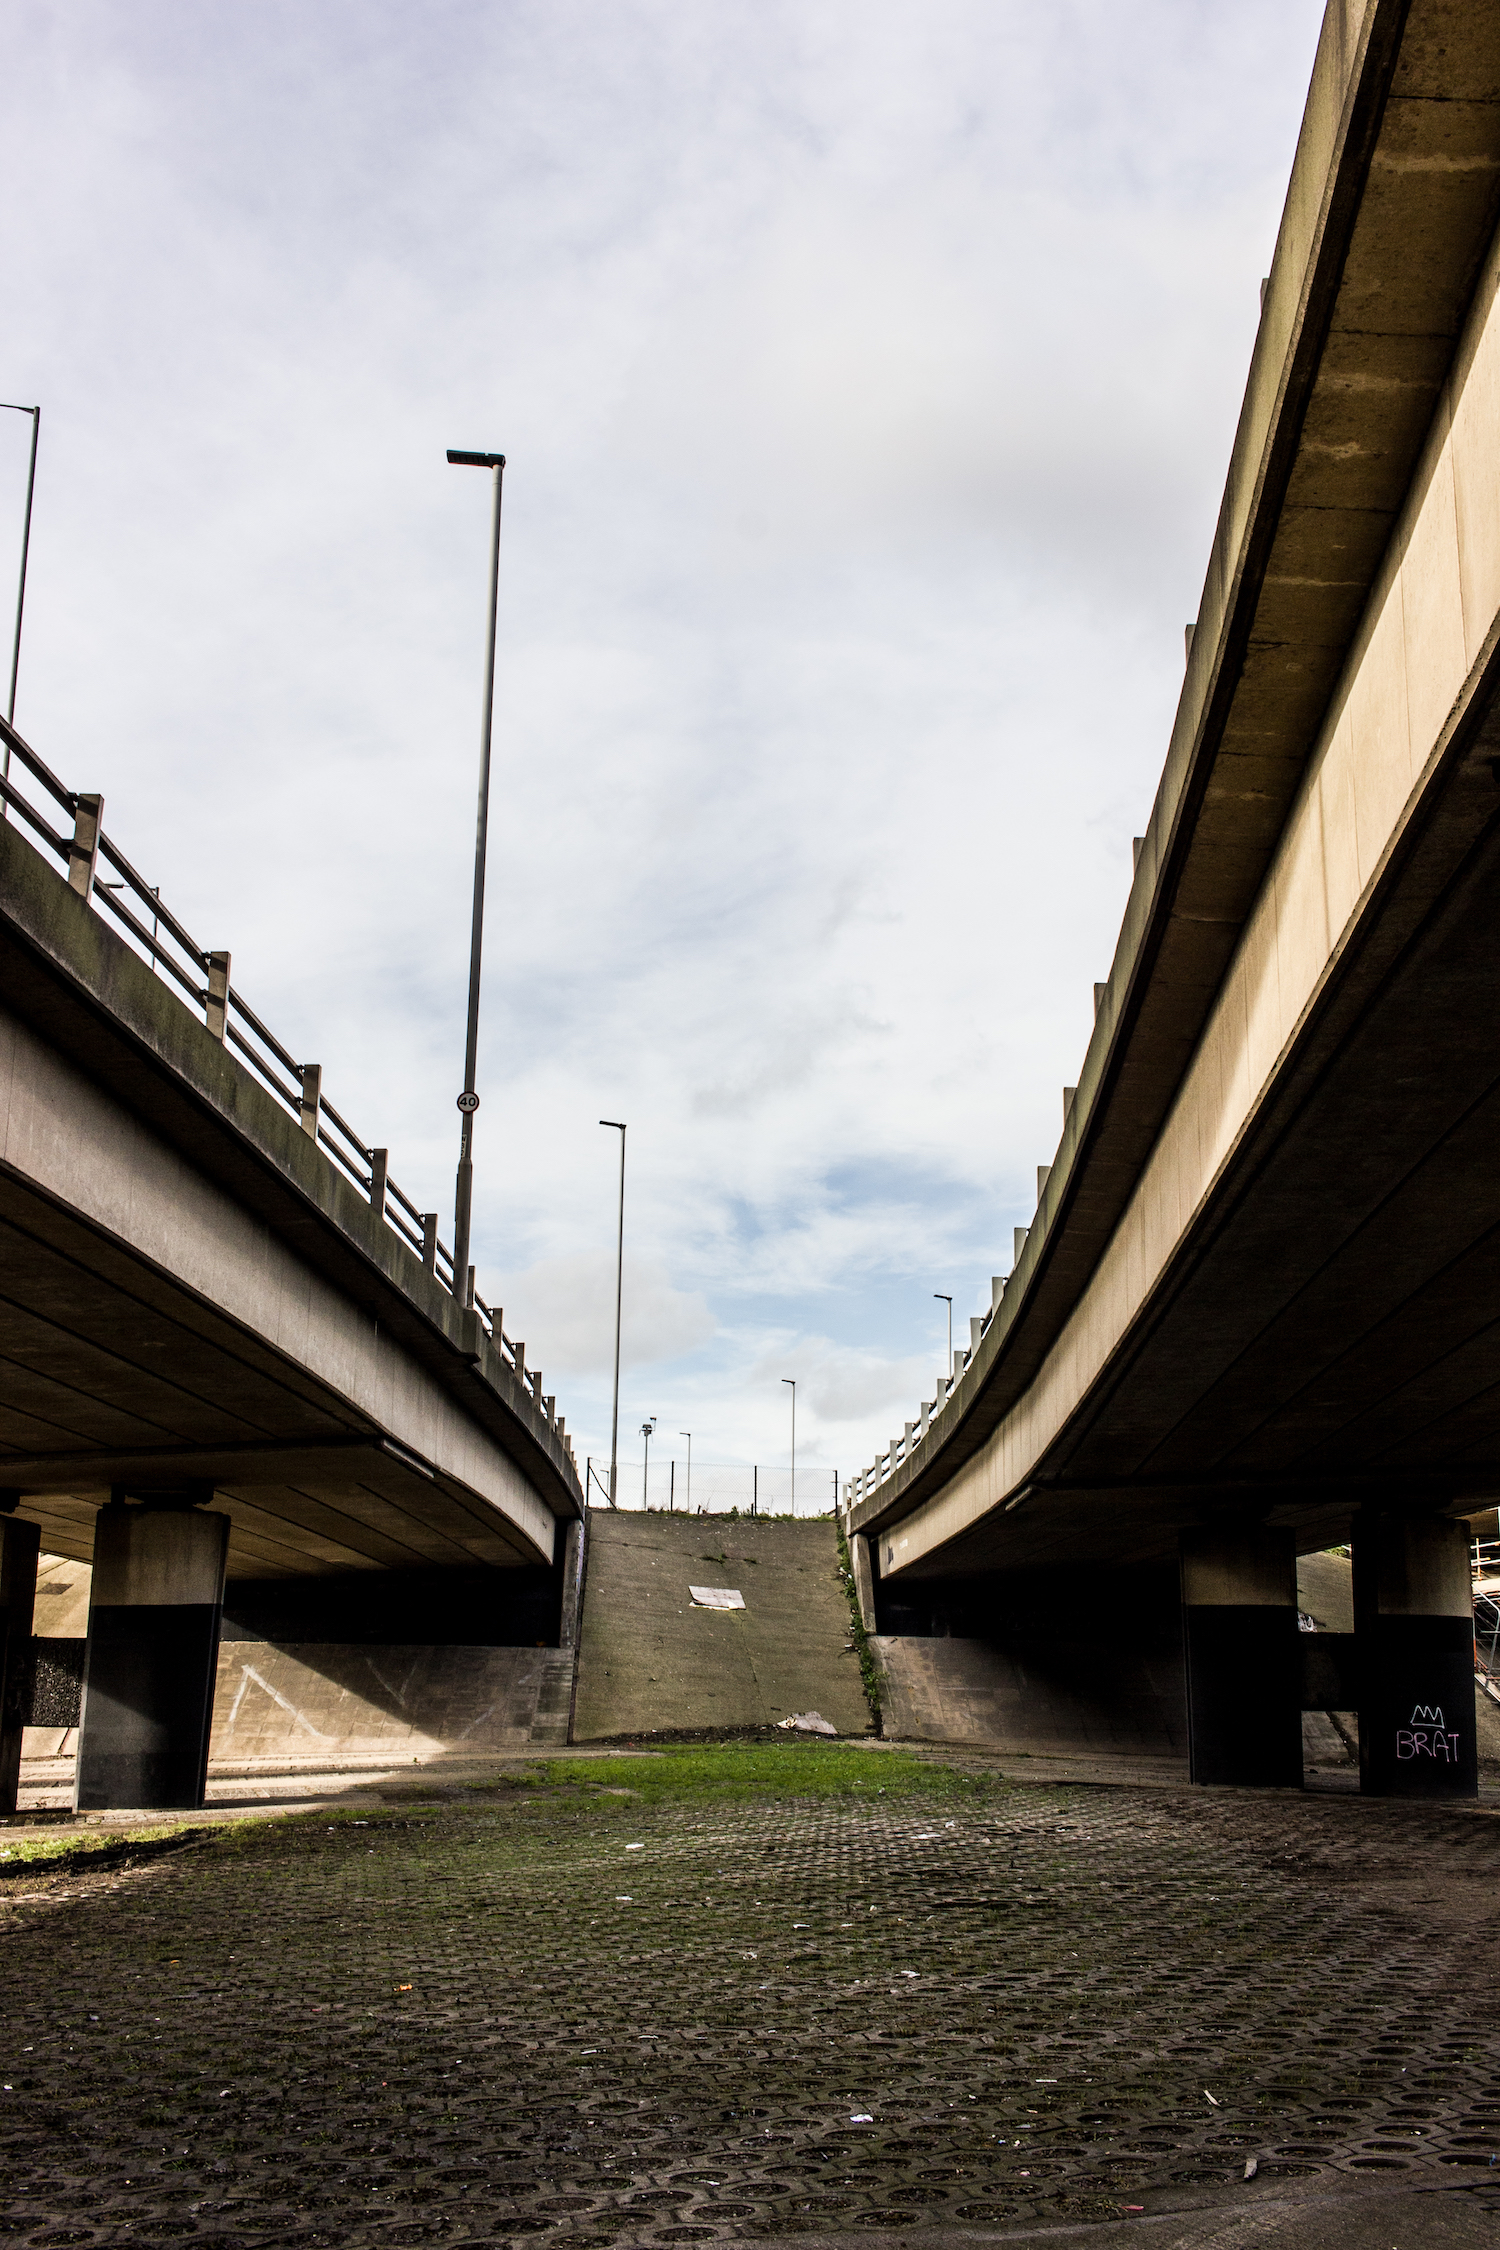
[1427, 1714]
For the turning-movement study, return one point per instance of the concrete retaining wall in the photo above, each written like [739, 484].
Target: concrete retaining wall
[1060, 1698]
[327, 1703]
[317, 1700]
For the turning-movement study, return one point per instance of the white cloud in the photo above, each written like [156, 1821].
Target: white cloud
[570, 1304]
[868, 374]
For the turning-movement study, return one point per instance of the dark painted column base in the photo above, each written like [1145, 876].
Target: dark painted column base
[1414, 1621]
[19, 1546]
[1244, 1677]
[1417, 1736]
[1240, 1646]
[148, 1692]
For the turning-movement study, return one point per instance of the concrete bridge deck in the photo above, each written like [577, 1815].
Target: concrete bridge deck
[1262, 1259]
[227, 1353]
[195, 1293]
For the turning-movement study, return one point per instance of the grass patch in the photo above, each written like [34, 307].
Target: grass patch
[762, 1773]
[79, 1849]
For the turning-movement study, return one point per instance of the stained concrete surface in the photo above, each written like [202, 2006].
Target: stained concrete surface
[650, 1661]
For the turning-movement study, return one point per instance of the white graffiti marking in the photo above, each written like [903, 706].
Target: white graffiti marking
[249, 1673]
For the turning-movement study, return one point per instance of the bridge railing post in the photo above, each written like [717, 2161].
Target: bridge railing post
[429, 1240]
[312, 1098]
[380, 1165]
[83, 846]
[216, 1003]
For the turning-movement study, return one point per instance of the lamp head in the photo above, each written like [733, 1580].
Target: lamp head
[476, 460]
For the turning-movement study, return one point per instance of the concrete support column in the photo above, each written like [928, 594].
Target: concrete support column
[574, 1542]
[1239, 1634]
[19, 1545]
[1414, 1627]
[148, 1683]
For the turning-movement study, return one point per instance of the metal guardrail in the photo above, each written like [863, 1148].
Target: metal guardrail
[203, 982]
[904, 1448]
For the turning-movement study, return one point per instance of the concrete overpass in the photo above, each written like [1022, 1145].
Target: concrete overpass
[1257, 1310]
[229, 1344]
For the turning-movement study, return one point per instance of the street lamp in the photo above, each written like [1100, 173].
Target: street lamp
[468, 1100]
[948, 1301]
[689, 1436]
[15, 655]
[614, 1420]
[791, 1380]
[646, 1429]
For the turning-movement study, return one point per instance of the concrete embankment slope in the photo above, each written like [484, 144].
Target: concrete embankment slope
[650, 1659]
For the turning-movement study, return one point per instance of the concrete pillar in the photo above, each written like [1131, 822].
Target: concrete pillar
[1239, 1633]
[572, 1585]
[1414, 1628]
[19, 1545]
[148, 1682]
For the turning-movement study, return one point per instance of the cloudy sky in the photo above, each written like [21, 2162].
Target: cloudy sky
[867, 373]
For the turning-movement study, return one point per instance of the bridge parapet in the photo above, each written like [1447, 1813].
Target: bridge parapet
[192, 979]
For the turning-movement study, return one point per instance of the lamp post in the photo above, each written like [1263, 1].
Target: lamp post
[948, 1301]
[468, 1100]
[614, 1420]
[791, 1380]
[646, 1429]
[15, 654]
[689, 1436]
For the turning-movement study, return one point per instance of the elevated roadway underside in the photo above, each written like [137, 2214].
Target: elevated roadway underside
[1331, 1332]
[194, 1300]
[112, 1376]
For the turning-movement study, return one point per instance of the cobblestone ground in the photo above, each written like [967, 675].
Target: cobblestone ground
[603, 2019]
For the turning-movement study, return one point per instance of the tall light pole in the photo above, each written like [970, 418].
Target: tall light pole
[614, 1420]
[468, 1100]
[646, 1429]
[689, 1436]
[15, 654]
[790, 1379]
[948, 1301]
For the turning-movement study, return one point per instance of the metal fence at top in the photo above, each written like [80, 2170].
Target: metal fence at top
[754, 1488]
[202, 980]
